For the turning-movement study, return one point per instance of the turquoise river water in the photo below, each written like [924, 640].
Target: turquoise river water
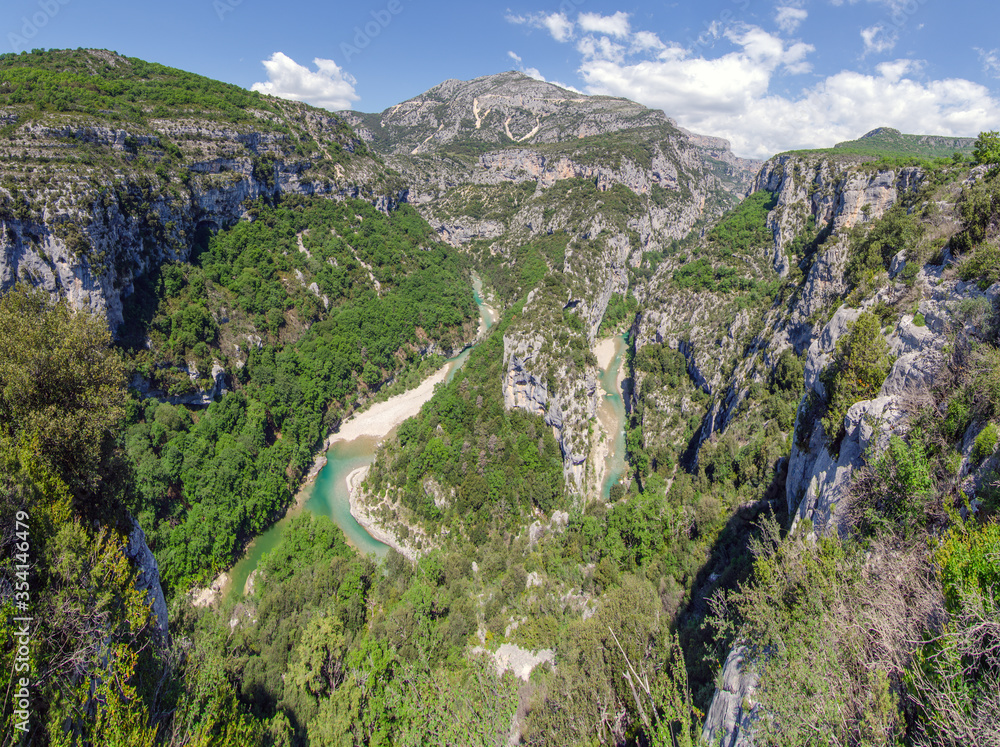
[613, 416]
[328, 495]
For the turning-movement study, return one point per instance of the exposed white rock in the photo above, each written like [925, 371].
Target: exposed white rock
[518, 660]
[148, 577]
[728, 721]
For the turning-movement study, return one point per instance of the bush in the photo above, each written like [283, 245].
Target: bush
[982, 264]
[986, 441]
[987, 148]
[956, 679]
[979, 206]
[871, 252]
[859, 367]
[892, 494]
[827, 628]
[788, 374]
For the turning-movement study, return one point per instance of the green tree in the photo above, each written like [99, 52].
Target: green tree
[987, 148]
[859, 367]
[62, 386]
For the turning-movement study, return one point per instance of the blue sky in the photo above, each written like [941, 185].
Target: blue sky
[766, 74]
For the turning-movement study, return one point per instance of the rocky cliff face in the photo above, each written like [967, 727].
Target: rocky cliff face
[529, 178]
[726, 347]
[567, 398]
[919, 314]
[90, 202]
[827, 192]
[148, 574]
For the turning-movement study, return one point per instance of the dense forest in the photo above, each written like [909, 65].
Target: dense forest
[210, 479]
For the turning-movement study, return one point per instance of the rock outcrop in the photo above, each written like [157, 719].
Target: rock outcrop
[568, 403]
[819, 477]
[89, 205]
[148, 574]
[732, 713]
[828, 193]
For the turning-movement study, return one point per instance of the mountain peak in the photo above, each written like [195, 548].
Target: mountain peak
[881, 132]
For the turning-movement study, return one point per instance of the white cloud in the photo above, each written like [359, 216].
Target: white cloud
[789, 19]
[616, 25]
[329, 86]
[643, 41]
[878, 39]
[990, 60]
[600, 49]
[729, 96]
[557, 24]
[531, 72]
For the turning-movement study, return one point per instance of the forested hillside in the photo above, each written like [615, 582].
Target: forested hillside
[202, 285]
[311, 307]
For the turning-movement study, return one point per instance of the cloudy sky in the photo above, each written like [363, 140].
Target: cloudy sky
[769, 75]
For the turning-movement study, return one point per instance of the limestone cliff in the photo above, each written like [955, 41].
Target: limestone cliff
[918, 306]
[148, 575]
[565, 397]
[727, 346]
[528, 179]
[92, 199]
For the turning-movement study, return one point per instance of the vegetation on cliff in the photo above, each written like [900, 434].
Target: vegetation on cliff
[311, 328]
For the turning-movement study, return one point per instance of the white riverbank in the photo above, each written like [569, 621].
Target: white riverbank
[494, 316]
[605, 352]
[379, 419]
[362, 515]
[607, 445]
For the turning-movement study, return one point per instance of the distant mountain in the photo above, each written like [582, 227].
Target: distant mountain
[888, 142]
[462, 119]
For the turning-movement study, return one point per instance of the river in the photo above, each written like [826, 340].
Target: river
[611, 412]
[328, 495]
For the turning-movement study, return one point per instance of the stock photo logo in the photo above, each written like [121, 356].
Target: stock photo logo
[363, 35]
[22, 39]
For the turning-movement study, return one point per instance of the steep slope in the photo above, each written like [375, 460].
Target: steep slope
[563, 199]
[255, 260]
[861, 258]
[111, 165]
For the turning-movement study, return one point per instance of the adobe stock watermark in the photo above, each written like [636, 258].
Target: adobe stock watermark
[31, 25]
[223, 7]
[21, 696]
[363, 35]
[711, 27]
[903, 10]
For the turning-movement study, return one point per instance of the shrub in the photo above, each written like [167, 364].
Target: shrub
[827, 629]
[788, 373]
[982, 264]
[891, 494]
[871, 252]
[859, 367]
[986, 441]
[979, 206]
[956, 678]
[986, 382]
[987, 148]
